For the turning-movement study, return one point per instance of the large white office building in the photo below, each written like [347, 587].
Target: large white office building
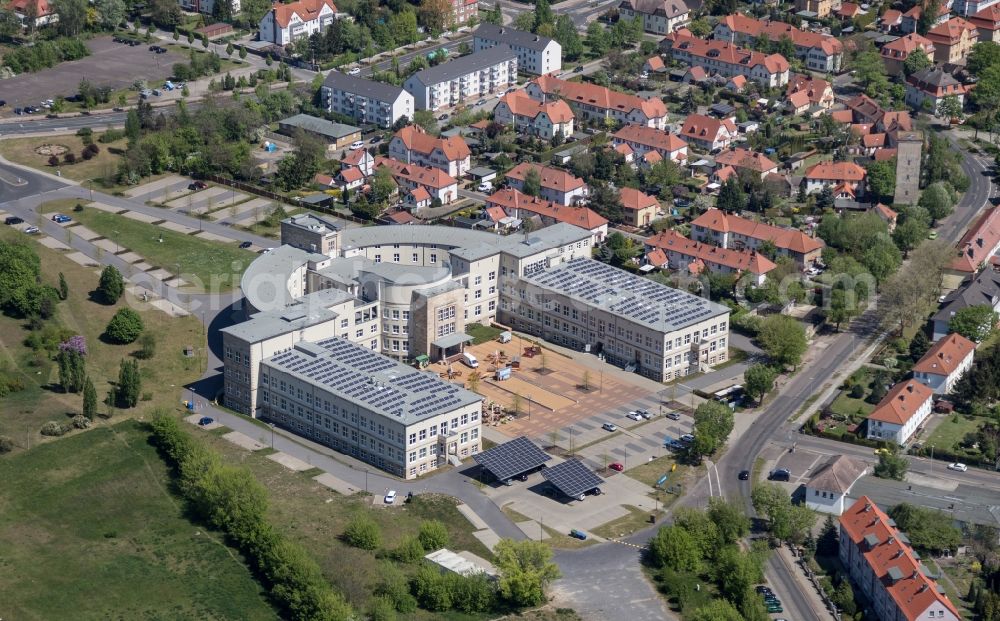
[365, 101]
[536, 54]
[468, 77]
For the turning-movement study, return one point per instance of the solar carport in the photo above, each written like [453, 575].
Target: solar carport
[510, 459]
[572, 478]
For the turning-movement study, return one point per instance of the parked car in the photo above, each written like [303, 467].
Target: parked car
[375, 140]
[157, 92]
[781, 474]
[958, 466]
[644, 75]
[12, 220]
[32, 230]
[357, 144]
[670, 443]
[634, 416]
[153, 48]
[246, 244]
[674, 415]
[3, 102]
[617, 467]
[609, 427]
[162, 50]
[61, 219]
[18, 111]
[197, 185]
[354, 71]
[390, 497]
[443, 117]
[761, 588]
[644, 413]
[578, 534]
[687, 438]
[578, 69]
[744, 475]
[485, 186]
[205, 420]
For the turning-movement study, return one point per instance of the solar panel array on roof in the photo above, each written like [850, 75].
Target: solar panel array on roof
[572, 477]
[625, 294]
[512, 458]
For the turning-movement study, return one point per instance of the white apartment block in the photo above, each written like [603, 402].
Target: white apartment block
[658, 16]
[945, 363]
[901, 412]
[413, 145]
[536, 55]
[285, 23]
[365, 101]
[469, 77]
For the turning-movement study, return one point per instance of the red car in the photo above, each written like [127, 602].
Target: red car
[617, 467]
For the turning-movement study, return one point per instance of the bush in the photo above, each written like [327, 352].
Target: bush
[52, 428]
[125, 327]
[53, 160]
[69, 158]
[111, 286]
[382, 609]
[6, 445]
[81, 422]
[362, 532]
[857, 391]
[44, 54]
[409, 550]
[147, 346]
[433, 535]
[112, 135]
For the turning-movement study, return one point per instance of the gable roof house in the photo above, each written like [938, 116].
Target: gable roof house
[658, 16]
[945, 363]
[831, 174]
[819, 52]
[743, 159]
[732, 231]
[638, 207]
[901, 412]
[932, 85]
[438, 184]
[895, 53]
[953, 40]
[536, 54]
[593, 102]
[556, 185]
[980, 242]
[522, 206]
[909, 20]
[708, 133]
[806, 94]
[643, 140]
[285, 23]
[884, 567]
[42, 11]
[974, 291]
[726, 59]
[413, 145]
[681, 252]
[987, 21]
[534, 118]
[827, 489]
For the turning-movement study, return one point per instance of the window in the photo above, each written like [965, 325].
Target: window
[423, 452]
[406, 315]
[446, 312]
[413, 438]
[423, 434]
[434, 257]
[478, 280]
[492, 276]
[343, 323]
[413, 456]
[378, 258]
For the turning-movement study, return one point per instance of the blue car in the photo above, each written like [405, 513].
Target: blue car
[205, 420]
[61, 219]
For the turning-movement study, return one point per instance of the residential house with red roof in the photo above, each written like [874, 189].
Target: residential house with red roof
[726, 59]
[593, 102]
[910, 19]
[827, 489]
[638, 207]
[883, 566]
[945, 363]
[658, 16]
[887, 215]
[933, 85]
[901, 412]
[556, 185]
[968, 8]
[864, 109]
[987, 22]
[285, 23]
[522, 206]
[848, 11]
[438, 184]
[979, 243]
[349, 178]
[895, 53]
[42, 10]
[534, 118]
[680, 252]
[643, 140]
[360, 159]
[820, 8]
[890, 20]
[819, 52]
[743, 159]
[654, 64]
[413, 145]
[953, 40]
[806, 94]
[708, 133]
[831, 174]
[462, 11]
[732, 231]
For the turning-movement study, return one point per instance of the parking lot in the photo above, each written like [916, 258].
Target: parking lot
[109, 64]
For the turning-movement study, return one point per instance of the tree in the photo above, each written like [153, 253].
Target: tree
[950, 108]
[674, 547]
[909, 234]
[125, 327]
[713, 422]
[526, 569]
[828, 542]
[72, 16]
[929, 16]
[916, 61]
[759, 380]
[63, 287]
[129, 384]
[532, 182]
[975, 322]
[425, 119]
[787, 522]
[433, 535]
[166, 14]
[937, 201]
[729, 518]
[147, 345]
[436, 15]
[597, 38]
[382, 186]
[784, 340]
[111, 285]
[716, 610]
[543, 14]
[870, 72]
[732, 199]
[492, 16]
[112, 13]
[362, 532]
[929, 530]
[568, 37]
[89, 399]
[881, 180]
[881, 258]
[891, 465]
[243, 52]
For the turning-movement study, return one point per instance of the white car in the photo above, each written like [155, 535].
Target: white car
[634, 416]
[609, 427]
[644, 75]
[357, 144]
[355, 71]
[485, 186]
[958, 466]
[390, 497]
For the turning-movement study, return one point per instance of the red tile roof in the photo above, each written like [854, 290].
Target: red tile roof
[701, 127]
[884, 548]
[842, 116]
[321, 179]
[521, 104]
[655, 63]
[775, 31]
[353, 158]
[817, 89]
[601, 97]
[886, 212]
[945, 356]
[41, 7]
[511, 200]
[836, 171]
[657, 257]
[351, 174]
[635, 200]
[988, 18]
[554, 178]
[902, 47]
[848, 10]
[650, 137]
[415, 138]
[307, 10]
[884, 155]
[742, 260]
[726, 52]
[901, 402]
[951, 31]
[978, 243]
[871, 141]
[750, 160]
[890, 18]
[789, 239]
[419, 175]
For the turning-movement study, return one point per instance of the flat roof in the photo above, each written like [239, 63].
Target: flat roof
[352, 269]
[512, 458]
[308, 310]
[452, 69]
[320, 126]
[265, 281]
[621, 293]
[373, 381]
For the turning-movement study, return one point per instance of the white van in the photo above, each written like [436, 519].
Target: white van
[357, 144]
[470, 360]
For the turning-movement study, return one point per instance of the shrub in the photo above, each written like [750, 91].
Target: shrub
[147, 346]
[362, 532]
[112, 135]
[857, 391]
[111, 286]
[409, 550]
[81, 422]
[69, 158]
[54, 160]
[125, 327]
[433, 535]
[6, 445]
[382, 609]
[52, 428]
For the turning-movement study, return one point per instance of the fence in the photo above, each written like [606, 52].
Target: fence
[281, 198]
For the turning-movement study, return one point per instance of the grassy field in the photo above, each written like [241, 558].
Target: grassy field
[22, 151]
[635, 520]
[316, 516]
[481, 333]
[225, 65]
[845, 405]
[23, 413]
[952, 429]
[200, 260]
[89, 530]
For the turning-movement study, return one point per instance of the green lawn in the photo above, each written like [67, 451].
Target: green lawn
[89, 529]
[848, 406]
[952, 429]
[481, 333]
[202, 262]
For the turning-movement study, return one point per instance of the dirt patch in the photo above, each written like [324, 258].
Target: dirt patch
[51, 149]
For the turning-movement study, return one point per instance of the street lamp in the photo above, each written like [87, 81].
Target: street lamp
[366, 480]
[115, 233]
[271, 425]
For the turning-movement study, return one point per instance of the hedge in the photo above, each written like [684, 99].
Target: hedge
[232, 500]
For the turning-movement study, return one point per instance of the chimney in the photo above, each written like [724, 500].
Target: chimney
[868, 507]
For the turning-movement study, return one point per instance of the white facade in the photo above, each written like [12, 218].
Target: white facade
[659, 17]
[285, 23]
[456, 166]
[535, 54]
[365, 101]
[468, 77]
[539, 124]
